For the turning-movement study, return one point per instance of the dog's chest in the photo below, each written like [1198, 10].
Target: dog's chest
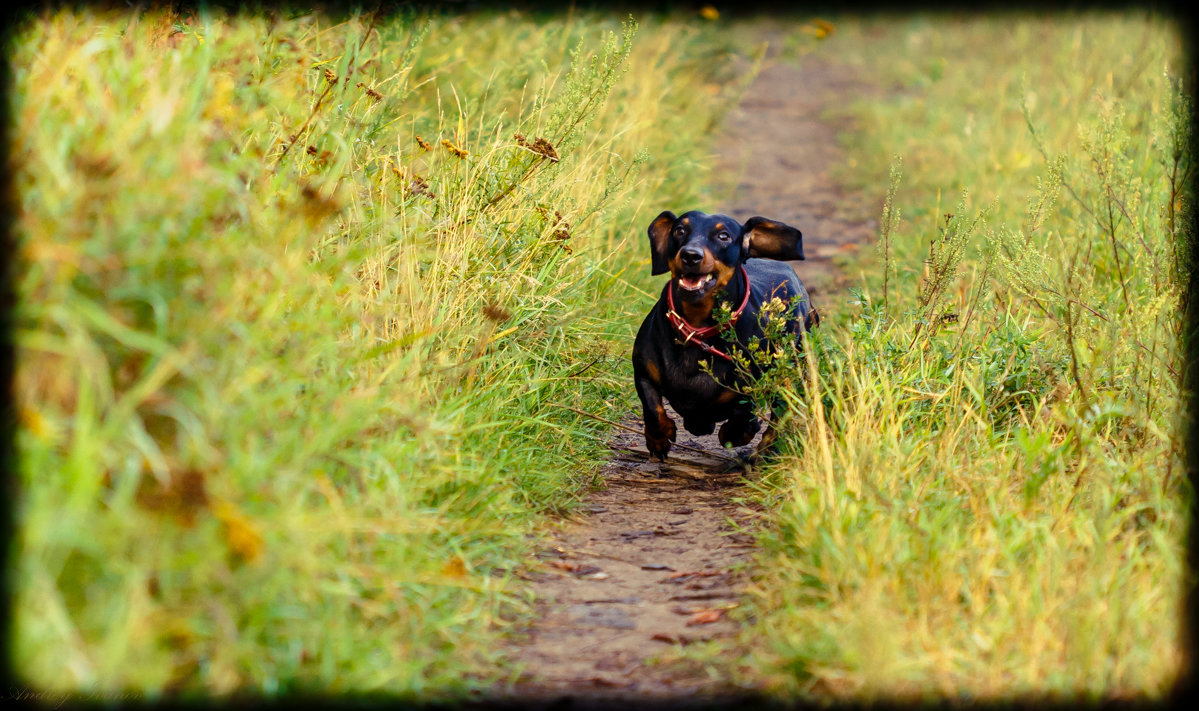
[698, 376]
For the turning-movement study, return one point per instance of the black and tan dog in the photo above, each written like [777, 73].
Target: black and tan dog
[711, 257]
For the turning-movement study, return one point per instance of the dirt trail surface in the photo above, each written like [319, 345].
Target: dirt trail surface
[656, 561]
[652, 566]
[782, 144]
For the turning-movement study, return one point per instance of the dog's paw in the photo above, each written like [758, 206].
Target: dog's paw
[738, 434]
[658, 443]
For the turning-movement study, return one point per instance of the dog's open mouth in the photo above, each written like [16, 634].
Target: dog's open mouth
[696, 282]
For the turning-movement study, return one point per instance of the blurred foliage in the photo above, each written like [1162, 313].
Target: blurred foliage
[300, 299]
[984, 497]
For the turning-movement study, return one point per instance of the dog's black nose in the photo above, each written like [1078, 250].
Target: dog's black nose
[691, 256]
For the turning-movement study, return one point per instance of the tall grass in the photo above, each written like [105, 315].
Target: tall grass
[996, 505]
[299, 299]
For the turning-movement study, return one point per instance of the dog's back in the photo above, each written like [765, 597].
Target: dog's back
[770, 279]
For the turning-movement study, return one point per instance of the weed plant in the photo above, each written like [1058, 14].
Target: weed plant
[301, 301]
[985, 495]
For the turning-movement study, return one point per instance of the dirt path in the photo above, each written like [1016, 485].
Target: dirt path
[782, 143]
[658, 561]
[651, 568]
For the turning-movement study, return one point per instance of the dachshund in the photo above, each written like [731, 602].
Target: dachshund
[712, 258]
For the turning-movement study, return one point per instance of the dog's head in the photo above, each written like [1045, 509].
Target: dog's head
[703, 252]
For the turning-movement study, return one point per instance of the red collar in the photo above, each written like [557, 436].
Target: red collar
[699, 336]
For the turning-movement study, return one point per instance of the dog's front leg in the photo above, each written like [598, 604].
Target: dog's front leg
[659, 428]
[740, 428]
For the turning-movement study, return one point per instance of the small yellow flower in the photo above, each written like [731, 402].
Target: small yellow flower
[34, 423]
[454, 148]
[222, 105]
[240, 533]
[819, 29]
[454, 568]
[709, 13]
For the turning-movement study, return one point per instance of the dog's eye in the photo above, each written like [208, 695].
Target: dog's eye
[680, 231]
[722, 236]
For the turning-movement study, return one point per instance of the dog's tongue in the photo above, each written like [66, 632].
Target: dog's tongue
[691, 282]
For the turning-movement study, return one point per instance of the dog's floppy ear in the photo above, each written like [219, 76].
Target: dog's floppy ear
[659, 242]
[771, 239]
